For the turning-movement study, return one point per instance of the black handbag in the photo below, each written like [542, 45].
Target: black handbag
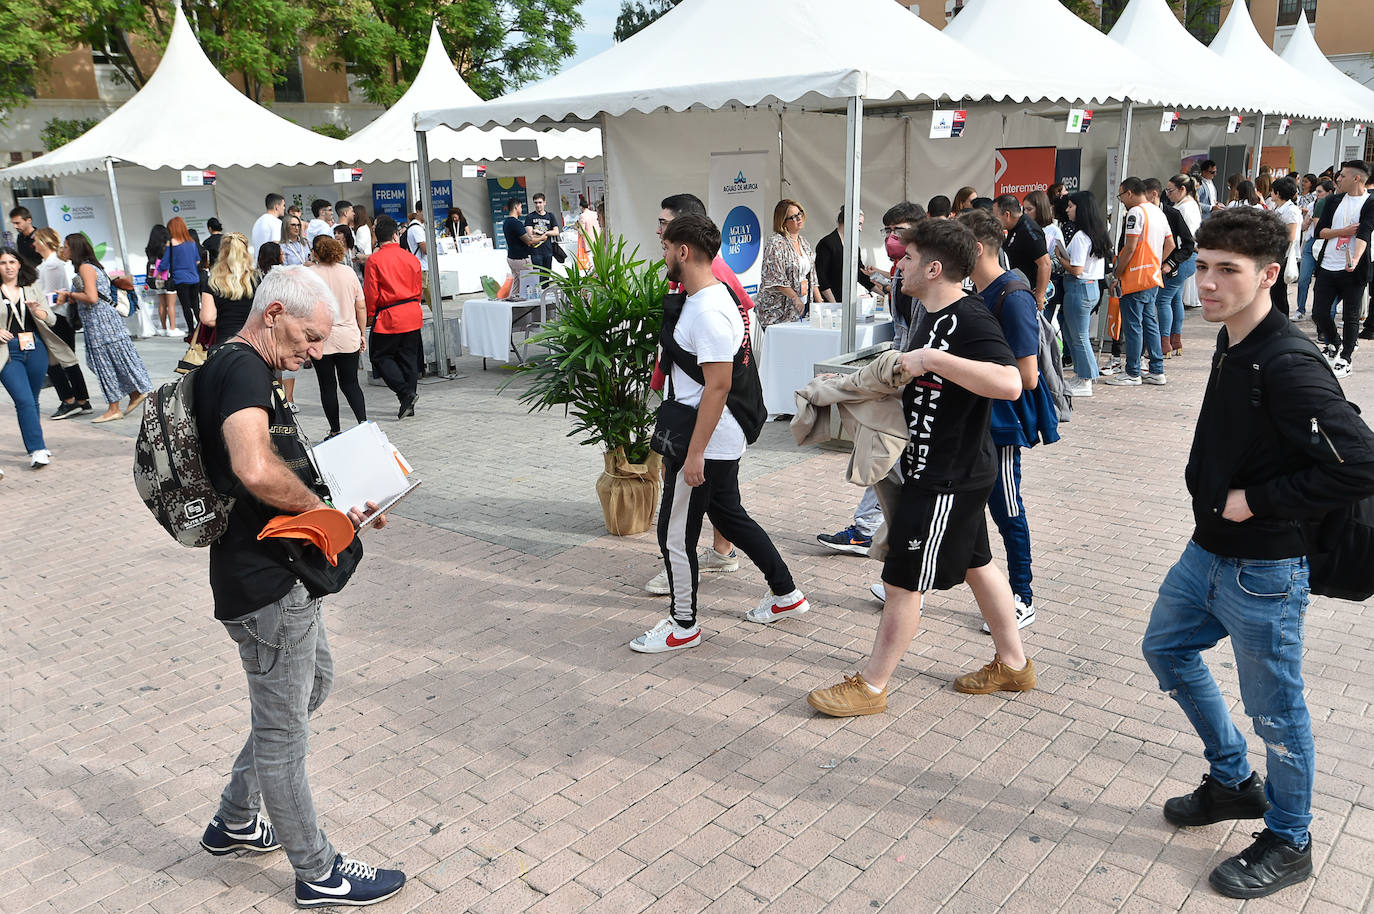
[309, 564]
[673, 428]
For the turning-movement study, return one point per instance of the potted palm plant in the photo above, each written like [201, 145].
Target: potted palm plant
[600, 348]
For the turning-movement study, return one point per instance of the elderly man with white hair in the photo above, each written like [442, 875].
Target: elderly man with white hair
[253, 451]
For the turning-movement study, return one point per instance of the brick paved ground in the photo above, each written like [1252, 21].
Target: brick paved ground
[490, 732]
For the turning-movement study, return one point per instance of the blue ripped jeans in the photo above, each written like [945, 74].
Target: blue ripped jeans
[1260, 605]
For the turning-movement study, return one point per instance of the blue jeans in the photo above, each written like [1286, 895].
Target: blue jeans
[1260, 605]
[1009, 513]
[1137, 318]
[1080, 295]
[1306, 267]
[1169, 306]
[290, 671]
[868, 516]
[22, 378]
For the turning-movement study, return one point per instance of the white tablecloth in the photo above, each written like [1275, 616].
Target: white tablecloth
[486, 329]
[790, 352]
[468, 267]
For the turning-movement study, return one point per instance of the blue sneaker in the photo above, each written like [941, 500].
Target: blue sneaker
[847, 540]
[257, 836]
[351, 882]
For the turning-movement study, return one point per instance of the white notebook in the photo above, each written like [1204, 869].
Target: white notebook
[362, 465]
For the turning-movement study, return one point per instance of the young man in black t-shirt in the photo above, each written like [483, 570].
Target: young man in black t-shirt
[544, 229]
[22, 222]
[1025, 245]
[938, 536]
[252, 450]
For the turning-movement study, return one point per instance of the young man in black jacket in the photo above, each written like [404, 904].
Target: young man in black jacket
[1276, 445]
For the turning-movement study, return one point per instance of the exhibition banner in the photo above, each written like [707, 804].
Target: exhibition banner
[1068, 169]
[304, 196]
[88, 215]
[391, 200]
[499, 190]
[596, 191]
[737, 205]
[1280, 160]
[1022, 170]
[440, 199]
[570, 190]
[194, 206]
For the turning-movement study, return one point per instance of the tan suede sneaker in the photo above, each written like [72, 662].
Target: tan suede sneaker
[997, 677]
[851, 698]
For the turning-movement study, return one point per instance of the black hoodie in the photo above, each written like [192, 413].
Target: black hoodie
[1299, 453]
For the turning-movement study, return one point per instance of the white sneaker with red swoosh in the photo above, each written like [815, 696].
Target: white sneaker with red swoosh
[773, 607]
[666, 636]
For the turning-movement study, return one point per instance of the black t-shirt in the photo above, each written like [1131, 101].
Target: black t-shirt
[830, 266]
[546, 222]
[27, 252]
[514, 230]
[211, 248]
[230, 314]
[1025, 245]
[951, 446]
[246, 573]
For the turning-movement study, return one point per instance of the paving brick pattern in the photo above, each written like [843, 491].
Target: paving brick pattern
[490, 732]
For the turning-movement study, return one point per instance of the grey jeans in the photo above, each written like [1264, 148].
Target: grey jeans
[285, 655]
[868, 516]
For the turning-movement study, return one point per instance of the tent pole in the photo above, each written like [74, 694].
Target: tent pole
[1340, 139]
[436, 299]
[782, 158]
[1259, 145]
[119, 217]
[906, 158]
[415, 187]
[853, 164]
[1118, 212]
[605, 181]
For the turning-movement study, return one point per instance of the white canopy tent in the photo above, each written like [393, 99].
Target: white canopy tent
[186, 116]
[1303, 54]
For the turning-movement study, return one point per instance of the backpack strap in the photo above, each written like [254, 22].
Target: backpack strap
[1014, 285]
[1261, 360]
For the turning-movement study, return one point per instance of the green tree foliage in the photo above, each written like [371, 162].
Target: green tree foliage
[60, 131]
[25, 48]
[331, 130]
[635, 15]
[497, 45]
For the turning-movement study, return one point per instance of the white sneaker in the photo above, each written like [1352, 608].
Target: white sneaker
[1115, 366]
[772, 607]
[708, 560]
[1080, 389]
[1341, 368]
[1159, 380]
[1122, 380]
[1025, 615]
[666, 636]
[879, 592]
[40, 459]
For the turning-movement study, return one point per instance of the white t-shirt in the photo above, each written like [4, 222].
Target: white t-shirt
[415, 235]
[1192, 214]
[1080, 255]
[1053, 235]
[315, 229]
[1154, 220]
[362, 240]
[711, 329]
[1347, 214]
[267, 228]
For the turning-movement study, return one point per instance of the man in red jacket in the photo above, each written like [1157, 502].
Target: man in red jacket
[391, 288]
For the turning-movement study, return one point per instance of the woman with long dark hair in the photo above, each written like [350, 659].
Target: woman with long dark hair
[1283, 191]
[109, 351]
[184, 256]
[23, 352]
[1084, 268]
[269, 256]
[456, 225]
[159, 279]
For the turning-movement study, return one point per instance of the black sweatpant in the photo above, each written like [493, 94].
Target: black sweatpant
[679, 528]
[394, 356]
[339, 371]
[69, 383]
[1349, 287]
[188, 293]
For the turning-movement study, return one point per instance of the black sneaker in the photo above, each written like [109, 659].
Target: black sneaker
[257, 837]
[66, 411]
[86, 408]
[350, 882]
[1263, 868]
[1367, 334]
[847, 540]
[407, 407]
[1212, 802]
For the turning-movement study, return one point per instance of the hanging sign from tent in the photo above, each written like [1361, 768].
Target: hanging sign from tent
[391, 200]
[197, 178]
[574, 168]
[474, 171]
[88, 215]
[1322, 130]
[1233, 123]
[570, 189]
[1022, 170]
[1359, 130]
[194, 206]
[737, 203]
[499, 191]
[347, 175]
[1169, 122]
[1068, 169]
[945, 125]
[1079, 120]
[1284, 124]
[440, 199]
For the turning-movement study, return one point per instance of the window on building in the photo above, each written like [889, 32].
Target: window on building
[1204, 26]
[1289, 9]
[106, 48]
[290, 84]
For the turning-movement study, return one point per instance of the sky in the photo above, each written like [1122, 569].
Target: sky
[595, 35]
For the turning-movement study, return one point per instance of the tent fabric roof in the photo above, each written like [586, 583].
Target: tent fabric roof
[710, 54]
[391, 137]
[202, 121]
[1303, 54]
[1249, 58]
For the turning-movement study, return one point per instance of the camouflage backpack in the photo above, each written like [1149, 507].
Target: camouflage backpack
[169, 473]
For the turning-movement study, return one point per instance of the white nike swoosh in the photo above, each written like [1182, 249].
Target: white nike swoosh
[343, 888]
[245, 835]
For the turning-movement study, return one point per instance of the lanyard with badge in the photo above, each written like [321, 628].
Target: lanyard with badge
[19, 313]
